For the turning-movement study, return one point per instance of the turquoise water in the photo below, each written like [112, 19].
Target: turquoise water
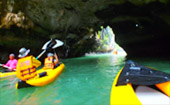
[85, 81]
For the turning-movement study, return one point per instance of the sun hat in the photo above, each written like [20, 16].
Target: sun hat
[23, 52]
[50, 54]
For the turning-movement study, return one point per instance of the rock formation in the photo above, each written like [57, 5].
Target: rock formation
[142, 25]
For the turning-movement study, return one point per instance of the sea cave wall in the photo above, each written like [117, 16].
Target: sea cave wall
[141, 27]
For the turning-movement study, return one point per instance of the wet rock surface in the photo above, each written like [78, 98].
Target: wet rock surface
[141, 27]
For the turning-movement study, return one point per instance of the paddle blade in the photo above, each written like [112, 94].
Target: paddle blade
[52, 44]
[58, 44]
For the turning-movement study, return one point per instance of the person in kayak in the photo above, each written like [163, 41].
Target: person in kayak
[51, 61]
[27, 64]
[12, 63]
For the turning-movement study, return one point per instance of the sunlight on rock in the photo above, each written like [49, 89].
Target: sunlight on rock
[106, 43]
[15, 19]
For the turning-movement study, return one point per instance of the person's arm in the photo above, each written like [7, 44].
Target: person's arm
[56, 58]
[7, 64]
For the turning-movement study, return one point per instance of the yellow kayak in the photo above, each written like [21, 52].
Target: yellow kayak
[6, 74]
[138, 85]
[50, 75]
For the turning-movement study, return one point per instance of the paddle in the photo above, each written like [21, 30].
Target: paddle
[7, 67]
[50, 44]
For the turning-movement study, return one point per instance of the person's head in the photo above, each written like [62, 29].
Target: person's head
[50, 55]
[11, 56]
[23, 52]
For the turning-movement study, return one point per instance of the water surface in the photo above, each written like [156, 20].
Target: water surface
[85, 81]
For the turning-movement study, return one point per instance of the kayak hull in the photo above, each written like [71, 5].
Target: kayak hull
[123, 95]
[6, 74]
[127, 94]
[50, 75]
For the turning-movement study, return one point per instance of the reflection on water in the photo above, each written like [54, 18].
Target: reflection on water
[36, 96]
[85, 80]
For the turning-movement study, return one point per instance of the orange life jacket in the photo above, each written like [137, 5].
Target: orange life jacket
[25, 68]
[48, 63]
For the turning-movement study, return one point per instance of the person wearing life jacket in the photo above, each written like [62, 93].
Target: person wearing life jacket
[51, 61]
[27, 64]
[12, 63]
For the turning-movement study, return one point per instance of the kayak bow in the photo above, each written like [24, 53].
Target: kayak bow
[136, 84]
